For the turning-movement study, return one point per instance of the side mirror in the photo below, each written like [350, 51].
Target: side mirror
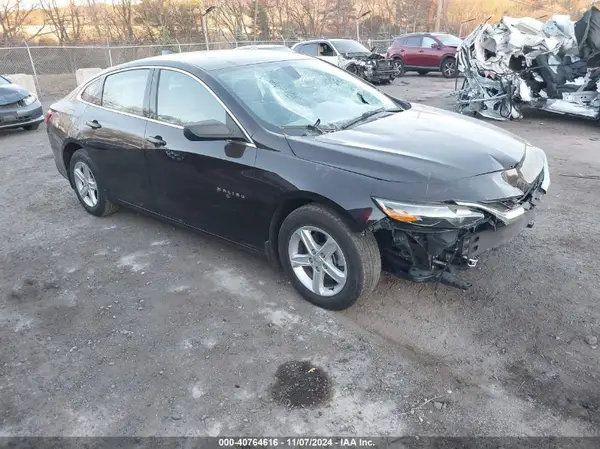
[211, 130]
[434, 45]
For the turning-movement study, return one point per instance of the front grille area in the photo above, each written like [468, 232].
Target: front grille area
[11, 106]
[8, 119]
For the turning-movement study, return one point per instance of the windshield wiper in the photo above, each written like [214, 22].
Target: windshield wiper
[366, 116]
[315, 126]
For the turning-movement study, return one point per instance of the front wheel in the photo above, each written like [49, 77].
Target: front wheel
[329, 264]
[399, 66]
[448, 68]
[352, 69]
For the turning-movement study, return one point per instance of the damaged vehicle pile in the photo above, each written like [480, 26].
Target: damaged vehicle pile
[523, 62]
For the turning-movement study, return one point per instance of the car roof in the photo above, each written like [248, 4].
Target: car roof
[217, 59]
[423, 33]
[313, 41]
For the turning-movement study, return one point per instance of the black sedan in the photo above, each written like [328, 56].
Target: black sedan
[291, 156]
[18, 107]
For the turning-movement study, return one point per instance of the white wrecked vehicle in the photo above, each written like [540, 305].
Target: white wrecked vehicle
[520, 62]
[352, 56]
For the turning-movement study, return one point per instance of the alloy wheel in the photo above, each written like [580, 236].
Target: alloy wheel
[317, 261]
[449, 69]
[86, 185]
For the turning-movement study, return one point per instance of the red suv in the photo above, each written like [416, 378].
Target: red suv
[425, 52]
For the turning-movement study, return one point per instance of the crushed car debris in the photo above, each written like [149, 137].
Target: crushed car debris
[523, 62]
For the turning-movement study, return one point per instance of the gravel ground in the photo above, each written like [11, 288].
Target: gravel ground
[129, 326]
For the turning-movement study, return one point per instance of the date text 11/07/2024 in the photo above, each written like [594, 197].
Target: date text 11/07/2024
[244, 442]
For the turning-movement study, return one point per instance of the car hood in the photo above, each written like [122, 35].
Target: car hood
[422, 144]
[12, 93]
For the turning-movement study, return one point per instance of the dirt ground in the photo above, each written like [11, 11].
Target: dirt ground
[129, 326]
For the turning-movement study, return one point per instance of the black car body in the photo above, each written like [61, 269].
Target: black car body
[18, 107]
[417, 189]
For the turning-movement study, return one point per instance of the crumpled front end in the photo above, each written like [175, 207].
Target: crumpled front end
[429, 242]
[523, 62]
[373, 68]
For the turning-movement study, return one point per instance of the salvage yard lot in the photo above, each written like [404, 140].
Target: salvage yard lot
[129, 326]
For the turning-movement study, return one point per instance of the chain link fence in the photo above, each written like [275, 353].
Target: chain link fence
[54, 67]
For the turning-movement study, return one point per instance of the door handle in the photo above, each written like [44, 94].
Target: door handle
[93, 124]
[421, 51]
[156, 141]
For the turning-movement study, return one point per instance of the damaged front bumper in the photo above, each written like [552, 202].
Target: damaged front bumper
[432, 250]
[373, 68]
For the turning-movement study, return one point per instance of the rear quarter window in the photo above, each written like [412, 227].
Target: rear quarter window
[93, 92]
[399, 42]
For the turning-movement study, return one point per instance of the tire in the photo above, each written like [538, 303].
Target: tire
[399, 64]
[31, 127]
[102, 206]
[423, 72]
[358, 258]
[352, 69]
[448, 68]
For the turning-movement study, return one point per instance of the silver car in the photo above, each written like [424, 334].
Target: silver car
[18, 107]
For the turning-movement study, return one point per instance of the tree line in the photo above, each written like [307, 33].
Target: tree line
[167, 21]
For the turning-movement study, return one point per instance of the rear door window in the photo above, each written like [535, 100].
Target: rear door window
[413, 41]
[93, 92]
[310, 49]
[125, 91]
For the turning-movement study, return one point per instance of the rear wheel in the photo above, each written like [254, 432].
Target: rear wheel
[329, 265]
[448, 68]
[398, 65]
[88, 187]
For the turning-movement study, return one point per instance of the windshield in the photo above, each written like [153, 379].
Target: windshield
[297, 93]
[448, 39]
[344, 46]
[3, 81]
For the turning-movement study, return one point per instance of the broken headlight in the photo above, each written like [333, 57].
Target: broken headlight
[430, 215]
[533, 164]
[30, 99]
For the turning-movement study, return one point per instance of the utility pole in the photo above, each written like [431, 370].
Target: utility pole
[438, 16]
[255, 18]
